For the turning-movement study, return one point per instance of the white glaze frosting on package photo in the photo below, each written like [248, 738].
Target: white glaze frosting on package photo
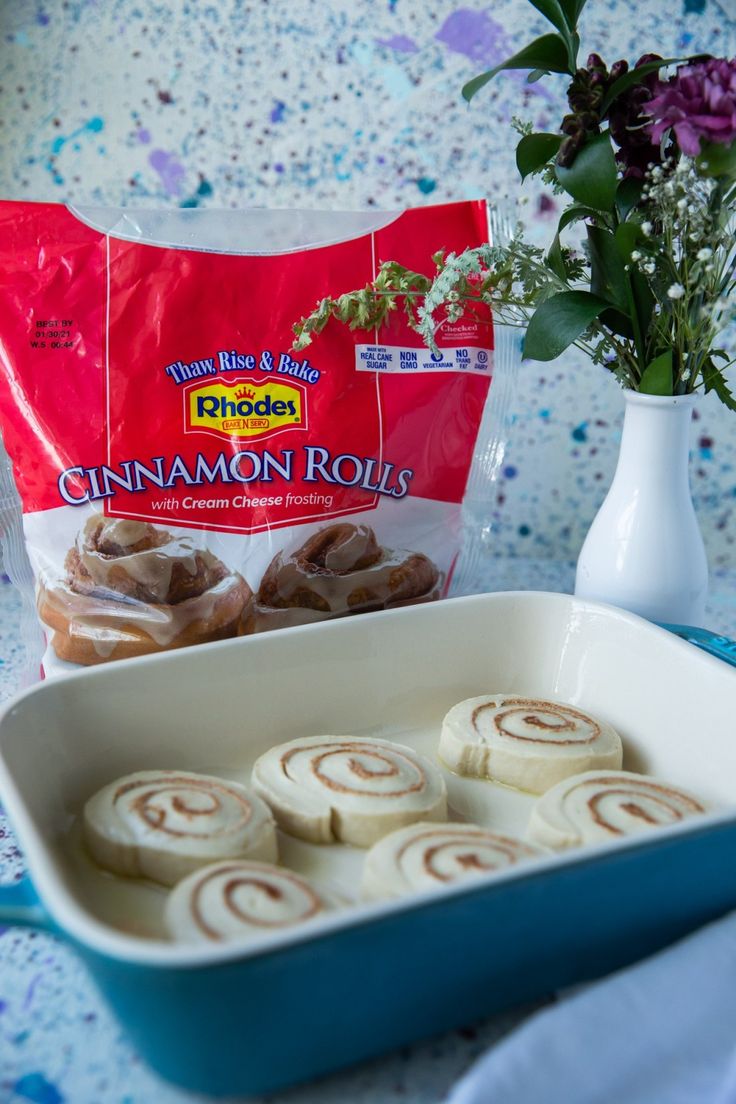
[180, 472]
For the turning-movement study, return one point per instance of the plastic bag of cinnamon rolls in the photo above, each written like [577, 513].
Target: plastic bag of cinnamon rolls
[177, 474]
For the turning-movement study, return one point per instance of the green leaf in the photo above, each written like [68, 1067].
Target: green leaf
[534, 151]
[592, 179]
[644, 301]
[657, 376]
[552, 10]
[716, 160]
[559, 321]
[617, 322]
[573, 214]
[555, 260]
[607, 273]
[537, 74]
[640, 300]
[628, 235]
[714, 380]
[634, 76]
[572, 10]
[628, 195]
[548, 52]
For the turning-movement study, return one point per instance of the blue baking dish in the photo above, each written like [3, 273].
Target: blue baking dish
[254, 1018]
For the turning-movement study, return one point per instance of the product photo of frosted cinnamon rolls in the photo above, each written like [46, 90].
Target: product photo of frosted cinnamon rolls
[240, 900]
[132, 589]
[425, 856]
[163, 825]
[340, 569]
[601, 806]
[349, 789]
[529, 743]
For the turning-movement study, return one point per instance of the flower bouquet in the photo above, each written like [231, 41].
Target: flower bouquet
[639, 275]
[648, 162]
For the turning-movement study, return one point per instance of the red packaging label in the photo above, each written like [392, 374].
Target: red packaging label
[158, 384]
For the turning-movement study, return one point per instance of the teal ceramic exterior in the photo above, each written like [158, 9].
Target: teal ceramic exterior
[272, 1019]
[269, 1021]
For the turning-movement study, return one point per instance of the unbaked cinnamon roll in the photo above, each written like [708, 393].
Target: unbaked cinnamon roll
[132, 589]
[339, 570]
[239, 900]
[605, 805]
[525, 742]
[163, 825]
[349, 789]
[425, 856]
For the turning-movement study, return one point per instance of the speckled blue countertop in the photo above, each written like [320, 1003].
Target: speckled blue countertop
[319, 103]
[60, 1045]
[350, 106]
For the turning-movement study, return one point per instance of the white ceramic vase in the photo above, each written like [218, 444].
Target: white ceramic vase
[644, 550]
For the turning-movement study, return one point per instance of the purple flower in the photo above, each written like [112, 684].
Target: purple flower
[698, 103]
[627, 116]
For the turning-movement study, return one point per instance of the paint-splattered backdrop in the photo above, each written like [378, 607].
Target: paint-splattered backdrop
[345, 104]
[342, 103]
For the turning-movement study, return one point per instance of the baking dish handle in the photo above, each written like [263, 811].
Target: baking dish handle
[720, 646]
[19, 905]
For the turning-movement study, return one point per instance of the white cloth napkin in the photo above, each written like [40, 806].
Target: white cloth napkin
[660, 1032]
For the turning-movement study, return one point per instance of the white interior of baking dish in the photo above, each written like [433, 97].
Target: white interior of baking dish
[217, 707]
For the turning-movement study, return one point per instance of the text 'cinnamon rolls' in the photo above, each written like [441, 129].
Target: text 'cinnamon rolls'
[355, 790]
[132, 589]
[164, 824]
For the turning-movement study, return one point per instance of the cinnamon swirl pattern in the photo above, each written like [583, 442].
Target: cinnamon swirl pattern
[239, 900]
[425, 856]
[349, 789]
[132, 589]
[163, 825]
[604, 805]
[525, 742]
[339, 570]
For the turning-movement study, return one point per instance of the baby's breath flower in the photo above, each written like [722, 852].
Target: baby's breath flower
[675, 291]
[704, 254]
[646, 229]
[636, 255]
